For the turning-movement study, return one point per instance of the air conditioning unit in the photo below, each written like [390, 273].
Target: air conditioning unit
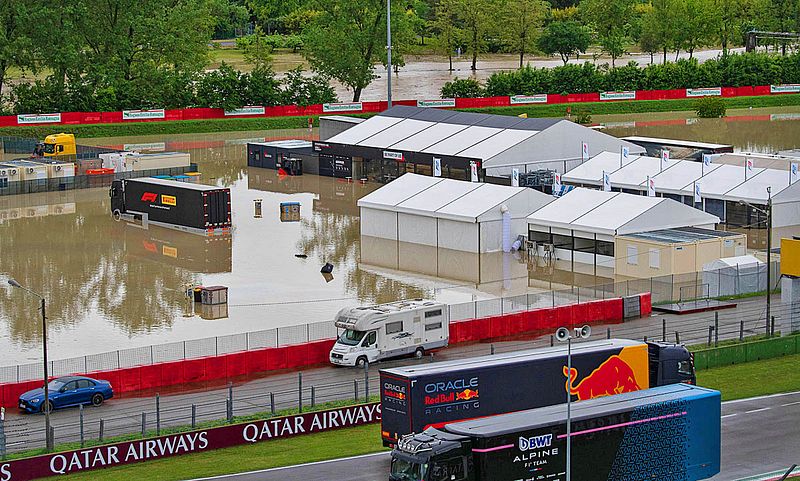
[3, 173]
[13, 171]
[30, 170]
[58, 168]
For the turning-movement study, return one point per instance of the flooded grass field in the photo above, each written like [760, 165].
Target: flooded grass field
[112, 285]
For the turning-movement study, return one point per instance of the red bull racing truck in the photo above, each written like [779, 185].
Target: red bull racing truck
[414, 398]
[664, 433]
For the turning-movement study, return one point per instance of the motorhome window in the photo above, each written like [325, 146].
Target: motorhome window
[433, 326]
[351, 337]
[429, 314]
[370, 340]
[394, 327]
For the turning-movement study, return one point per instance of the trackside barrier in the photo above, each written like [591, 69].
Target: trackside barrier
[228, 366]
[78, 118]
[747, 352]
[110, 455]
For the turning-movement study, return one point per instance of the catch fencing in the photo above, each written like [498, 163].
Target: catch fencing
[663, 290]
[156, 115]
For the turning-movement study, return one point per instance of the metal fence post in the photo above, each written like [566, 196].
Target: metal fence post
[144, 424]
[184, 349]
[366, 382]
[772, 326]
[608, 333]
[677, 337]
[80, 414]
[716, 329]
[741, 330]
[158, 415]
[300, 391]
[102, 428]
[355, 389]
[151, 354]
[710, 332]
[272, 403]
[491, 349]
[551, 341]
[313, 397]
[3, 434]
[194, 415]
[664, 329]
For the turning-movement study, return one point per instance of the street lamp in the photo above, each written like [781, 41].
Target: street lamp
[563, 334]
[767, 213]
[46, 402]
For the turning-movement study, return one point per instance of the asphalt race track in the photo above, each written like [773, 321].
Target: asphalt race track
[759, 435]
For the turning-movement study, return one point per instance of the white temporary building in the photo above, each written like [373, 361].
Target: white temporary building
[721, 186]
[583, 224]
[731, 276]
[447, 213]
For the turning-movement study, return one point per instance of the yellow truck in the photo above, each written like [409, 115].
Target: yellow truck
[56, 145]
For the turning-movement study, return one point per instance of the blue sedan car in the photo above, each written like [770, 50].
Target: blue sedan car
[67, 391]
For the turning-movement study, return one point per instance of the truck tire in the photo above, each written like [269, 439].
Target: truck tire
[361, 361]
[117, 215]
[419, 353]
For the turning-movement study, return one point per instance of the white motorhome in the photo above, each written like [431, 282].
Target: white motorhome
[388, 330]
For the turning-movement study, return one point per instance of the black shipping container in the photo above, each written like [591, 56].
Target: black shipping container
[169, 202]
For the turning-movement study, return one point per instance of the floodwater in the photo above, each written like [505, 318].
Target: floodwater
[112, 285]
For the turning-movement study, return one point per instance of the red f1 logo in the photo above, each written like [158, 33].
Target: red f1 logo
[149, 197]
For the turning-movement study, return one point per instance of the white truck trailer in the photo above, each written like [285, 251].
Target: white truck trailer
[381, 331]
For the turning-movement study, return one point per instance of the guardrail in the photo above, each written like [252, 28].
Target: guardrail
[156, 115]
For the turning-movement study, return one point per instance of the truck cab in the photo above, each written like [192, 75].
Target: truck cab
[432, 455]
[670, 364]
[56, 145]
[382, 331]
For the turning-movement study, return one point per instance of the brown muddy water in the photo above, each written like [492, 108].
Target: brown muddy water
[112, 285]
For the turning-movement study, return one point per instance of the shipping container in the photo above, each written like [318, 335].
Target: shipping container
[416, 397]
[162, 160]
[180, 205]
[29, 170]
[117, 161]
[57, 169]
[664, 433]
[8, 174]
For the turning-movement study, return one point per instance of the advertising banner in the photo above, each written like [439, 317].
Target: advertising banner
[437, 166]
[246, 110]
[143, 114]
[514, 177]
[606, 182]
[437, 103]
[697, 194]
[626, 95]
[473, 170]
[624, 156]
[793, 173]
[528, 99]
[393, 155]
[69, 462]
[651, 187]
[705, 92]
[584, 151]
[343, 107]
[784, 89]
[23, 119]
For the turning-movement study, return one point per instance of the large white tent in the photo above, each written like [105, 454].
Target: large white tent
[447, 213]
[584, 222]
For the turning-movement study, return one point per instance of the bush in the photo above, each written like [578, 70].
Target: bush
[710, 107]
[463, 88]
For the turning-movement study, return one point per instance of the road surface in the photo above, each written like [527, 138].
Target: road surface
[759, 435]
[124, 415]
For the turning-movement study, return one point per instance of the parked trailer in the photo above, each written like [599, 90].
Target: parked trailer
[180, 205]
[668, 432]
[28, 170]
[416, 397]
[389, 330]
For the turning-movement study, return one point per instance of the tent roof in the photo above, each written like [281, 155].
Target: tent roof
[447, 198]
[635, 173]
[591, 171]
[366, 129]
[755, 189]
[397, 132]
[462, 140]
[674, 179]
[426, 138]
[495, 144]
[617, 213]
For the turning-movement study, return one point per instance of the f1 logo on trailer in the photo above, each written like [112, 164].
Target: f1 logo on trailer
[149, 197]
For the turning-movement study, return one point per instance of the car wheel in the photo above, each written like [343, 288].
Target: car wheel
[97, 399]
[419, 353]
[48, 405]
[361, 361]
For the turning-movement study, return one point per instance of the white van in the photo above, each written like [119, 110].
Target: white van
[388, 330]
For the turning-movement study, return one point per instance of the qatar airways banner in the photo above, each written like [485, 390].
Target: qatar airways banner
[81, 460]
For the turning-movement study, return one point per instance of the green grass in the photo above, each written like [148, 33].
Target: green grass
[273, 123]
[271, 454]
[730, 342]
[758, 378]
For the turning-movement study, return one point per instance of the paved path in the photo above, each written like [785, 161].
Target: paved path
[124, 415]
[758, 435]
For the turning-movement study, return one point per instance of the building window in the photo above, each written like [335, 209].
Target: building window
[655, 258]
[632, 257]
[605, 248]
[540, 237]
[584, 245]
[563, 241]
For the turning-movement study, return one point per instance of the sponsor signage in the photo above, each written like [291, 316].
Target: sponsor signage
[528, 99]
[437, 103]
[784, 89]
[142, 114]
[437, 166]
[393, 155]
[246, 110]
[514, 177]
[151, 147]
[39, 118]
[705, 92]
[343, 107]
[70, 462]
[626, 95]
[584, 151]
[473, 170]
[606, 182]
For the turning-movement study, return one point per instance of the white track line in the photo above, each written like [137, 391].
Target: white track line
[757, 410]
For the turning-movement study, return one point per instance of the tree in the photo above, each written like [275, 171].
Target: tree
[269, 11]
[566, 39]
[476, 17]
[521, 20]
[695, 21]
[447, 32]
[256, 48]
[611, 20]
[346, 40]
[301, 90]
[17, 17]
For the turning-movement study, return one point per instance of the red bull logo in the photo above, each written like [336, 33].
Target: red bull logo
[467, 394]
[613, 376]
